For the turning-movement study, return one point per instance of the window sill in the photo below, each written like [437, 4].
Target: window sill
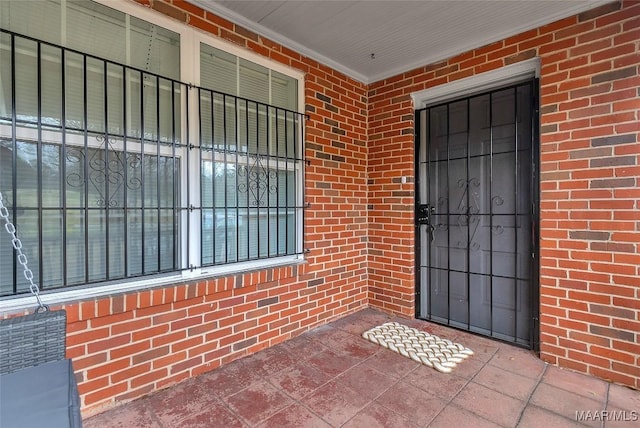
[59, 297]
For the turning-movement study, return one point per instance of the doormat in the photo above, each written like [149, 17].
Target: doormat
[422, 347]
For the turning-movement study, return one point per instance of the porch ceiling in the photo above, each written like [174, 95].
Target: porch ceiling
[400, 34]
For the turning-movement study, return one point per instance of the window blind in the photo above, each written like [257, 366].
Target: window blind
[98, 30]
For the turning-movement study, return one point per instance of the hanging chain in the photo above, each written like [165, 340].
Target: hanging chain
[22, 258]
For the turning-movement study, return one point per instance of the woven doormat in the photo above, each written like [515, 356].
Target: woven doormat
[441, 354]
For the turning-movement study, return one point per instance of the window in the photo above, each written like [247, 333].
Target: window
[248, 164]
[113, 169]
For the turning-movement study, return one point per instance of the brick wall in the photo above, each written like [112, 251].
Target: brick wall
[590, 184]
[128, 345]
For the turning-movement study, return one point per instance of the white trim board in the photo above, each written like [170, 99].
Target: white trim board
[474, 84]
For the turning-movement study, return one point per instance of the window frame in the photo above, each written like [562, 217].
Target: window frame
[190, 40]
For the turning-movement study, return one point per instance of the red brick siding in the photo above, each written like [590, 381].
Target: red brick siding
[128, 345]
[590, 184]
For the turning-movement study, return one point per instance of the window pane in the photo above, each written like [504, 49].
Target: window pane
[76, 271]
[206, 99]
[52, 251]
[218, 70]
[115, 99]
[256, 213]
[95, 29]
[253, 81]
[5, 75]
[74, 88]
[284, 91]
[26, 221]
[41, 23]
[217, 117]
[51, 87]
[148, 98]
[116, 229]
[97, 220]
[95, 91]
[154, 49]
[248, 196]
[26, 66]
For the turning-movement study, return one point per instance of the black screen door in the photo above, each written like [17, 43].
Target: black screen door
[475, 210]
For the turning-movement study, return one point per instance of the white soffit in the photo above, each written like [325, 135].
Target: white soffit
[401, 34]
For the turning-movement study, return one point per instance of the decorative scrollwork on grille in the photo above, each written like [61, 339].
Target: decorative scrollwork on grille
[467, 219]
[468, 216]
[105, 165]
[259, 181]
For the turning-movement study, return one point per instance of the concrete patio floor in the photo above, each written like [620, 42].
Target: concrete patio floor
[332, 377]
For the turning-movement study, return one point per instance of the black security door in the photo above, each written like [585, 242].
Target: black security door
[475, 209]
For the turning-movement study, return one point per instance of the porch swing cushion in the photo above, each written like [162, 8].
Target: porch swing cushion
[37, 383]
[45, 395]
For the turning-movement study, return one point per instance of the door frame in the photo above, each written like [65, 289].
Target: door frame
[487, 82]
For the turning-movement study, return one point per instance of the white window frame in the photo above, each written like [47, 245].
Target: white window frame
[190, 39]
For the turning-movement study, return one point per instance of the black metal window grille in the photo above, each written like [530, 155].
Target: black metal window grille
[111, 172]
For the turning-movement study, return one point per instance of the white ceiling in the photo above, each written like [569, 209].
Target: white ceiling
[401, 34]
